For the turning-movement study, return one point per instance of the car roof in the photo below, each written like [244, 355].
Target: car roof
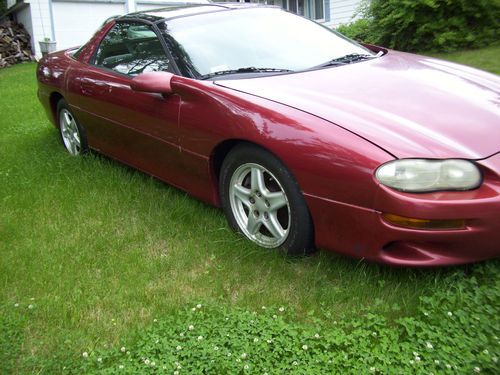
[183, 9]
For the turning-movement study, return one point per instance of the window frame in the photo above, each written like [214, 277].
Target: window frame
[313, 8]
[172, 65]
[309, 7]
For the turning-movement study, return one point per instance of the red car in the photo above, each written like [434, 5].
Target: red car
[305, 138]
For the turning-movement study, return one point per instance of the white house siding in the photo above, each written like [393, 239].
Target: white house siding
[76, 22]
[142, 5]
[40, 23]
[24, 17]
[342, 11]
[146, 5]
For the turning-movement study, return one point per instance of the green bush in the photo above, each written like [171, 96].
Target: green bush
[359, 30]
[427, 25]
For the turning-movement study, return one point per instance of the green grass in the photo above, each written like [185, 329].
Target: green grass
[486, 58]
[99, 251]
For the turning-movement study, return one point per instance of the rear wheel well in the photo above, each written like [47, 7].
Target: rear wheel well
[54, 99]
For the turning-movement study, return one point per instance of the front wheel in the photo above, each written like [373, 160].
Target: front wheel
[262, 200]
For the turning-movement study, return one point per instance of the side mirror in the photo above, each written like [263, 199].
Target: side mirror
[153, 82]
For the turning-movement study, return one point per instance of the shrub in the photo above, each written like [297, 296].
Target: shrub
[359, 30]
[430, 25]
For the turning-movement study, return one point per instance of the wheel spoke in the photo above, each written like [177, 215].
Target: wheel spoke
[72, 147]
[75, 136]
[274, 227]
[276, 200]
[67, 119]
[72, 126]
[243, 194]
[257, 180]
[253, 224]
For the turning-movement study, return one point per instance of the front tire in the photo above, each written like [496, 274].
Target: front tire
[262, 200]
[71, 132]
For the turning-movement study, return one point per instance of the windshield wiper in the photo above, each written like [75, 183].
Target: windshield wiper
[249, 69]
[348, 59]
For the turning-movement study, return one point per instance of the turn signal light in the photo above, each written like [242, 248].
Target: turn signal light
[408, 222]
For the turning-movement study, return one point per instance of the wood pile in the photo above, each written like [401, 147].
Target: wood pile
[14, 44]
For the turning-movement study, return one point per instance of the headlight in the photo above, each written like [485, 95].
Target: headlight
[422, 175]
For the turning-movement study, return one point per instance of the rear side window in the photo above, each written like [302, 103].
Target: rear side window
[132, 48]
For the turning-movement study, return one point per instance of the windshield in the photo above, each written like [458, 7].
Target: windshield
[267, 38]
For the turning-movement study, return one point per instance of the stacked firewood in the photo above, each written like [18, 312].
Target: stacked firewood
[14, 44]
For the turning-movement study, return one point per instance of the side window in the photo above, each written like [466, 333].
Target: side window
[132, 48]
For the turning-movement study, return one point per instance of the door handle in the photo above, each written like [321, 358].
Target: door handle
[94, 87]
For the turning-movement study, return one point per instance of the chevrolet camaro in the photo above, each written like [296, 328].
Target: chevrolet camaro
[305, 138]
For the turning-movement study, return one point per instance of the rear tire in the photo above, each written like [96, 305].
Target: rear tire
[71, 133]
[262, 200]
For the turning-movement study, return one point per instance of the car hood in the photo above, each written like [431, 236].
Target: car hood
[409, 105]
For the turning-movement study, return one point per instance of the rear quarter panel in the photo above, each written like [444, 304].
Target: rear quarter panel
[51, 72]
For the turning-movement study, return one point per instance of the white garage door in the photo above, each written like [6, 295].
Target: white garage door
[76, 22]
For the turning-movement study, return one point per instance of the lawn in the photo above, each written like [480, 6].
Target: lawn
[95, 257]
[486, 58]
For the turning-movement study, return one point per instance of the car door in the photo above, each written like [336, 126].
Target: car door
[137, 128]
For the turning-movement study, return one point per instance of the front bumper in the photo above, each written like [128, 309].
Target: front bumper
[362, 233]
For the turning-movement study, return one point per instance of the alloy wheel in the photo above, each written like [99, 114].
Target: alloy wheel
[259, 205]
[69, 132]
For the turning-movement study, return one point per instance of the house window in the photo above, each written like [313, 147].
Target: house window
[295, 6]
[313, 9]
[319, 10]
